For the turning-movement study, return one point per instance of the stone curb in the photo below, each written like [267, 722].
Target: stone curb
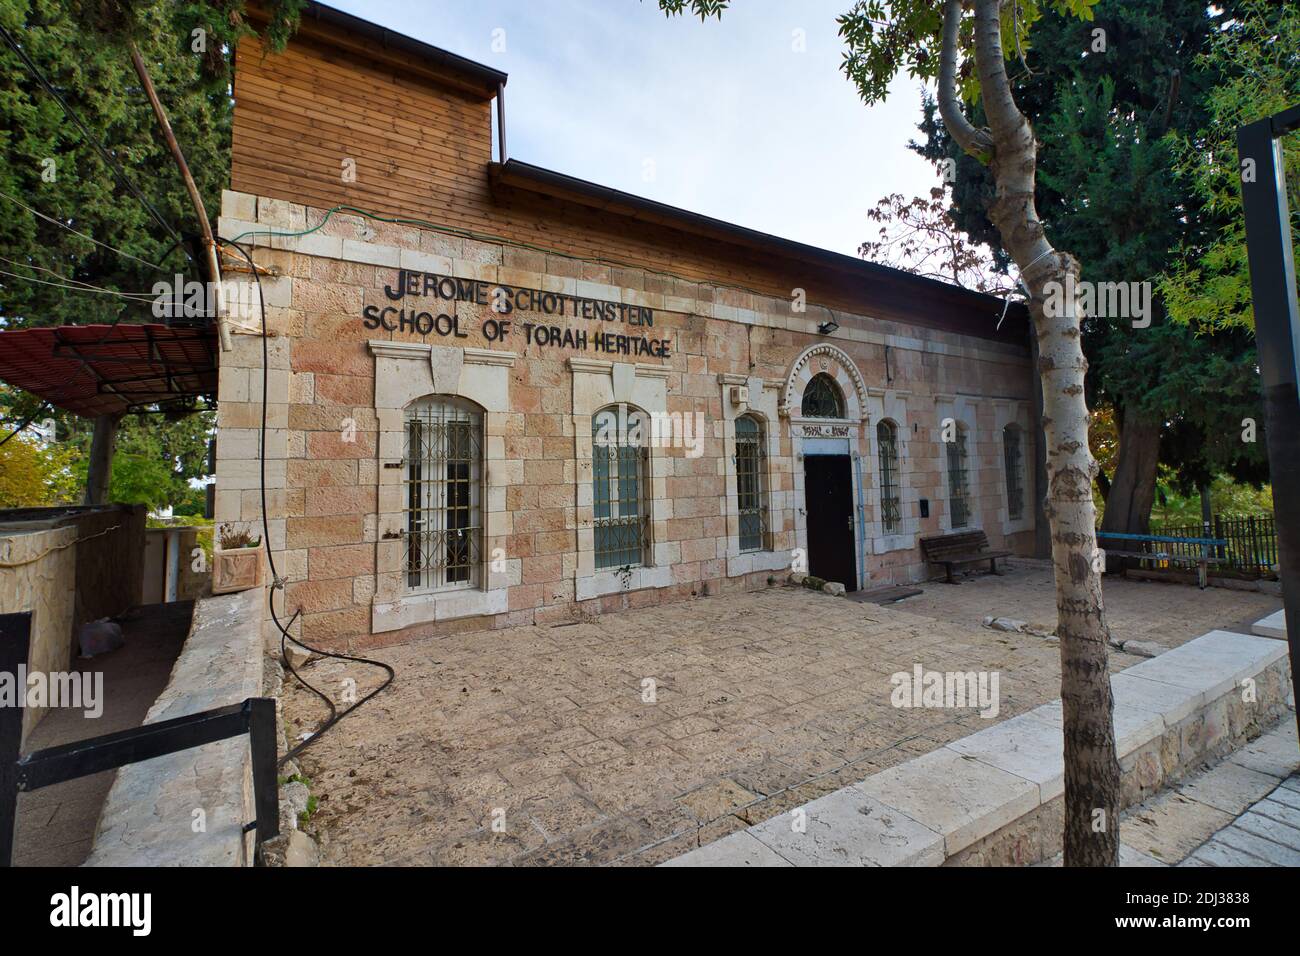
[927, 810]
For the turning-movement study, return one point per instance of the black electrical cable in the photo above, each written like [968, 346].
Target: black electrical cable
[31, 418]
[276, 582]
[118, 171]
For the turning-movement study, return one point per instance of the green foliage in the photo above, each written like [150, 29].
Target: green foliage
[1258, 56]
[1110, 192]
[155, 458]
[35, 477]
[701, 8]
[884, 37]
[81, 46]
[1227, 497]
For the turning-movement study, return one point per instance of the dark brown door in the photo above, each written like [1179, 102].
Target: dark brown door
[828, 502]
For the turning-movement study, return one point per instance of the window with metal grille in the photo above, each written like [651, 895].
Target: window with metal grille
[443, 474]
[1015, 466]
[822, 398]
[621, 520]
[958, 486]
[751, 469]
[891, 514]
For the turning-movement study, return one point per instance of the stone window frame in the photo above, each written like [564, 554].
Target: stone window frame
[1016, 413]
[596, 385]
[892, 404]
[762, 403]
[404, 372]
[961, 409]
[614, 478]
[476, 487]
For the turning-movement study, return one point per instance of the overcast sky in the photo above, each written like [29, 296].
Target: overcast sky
[721, 118]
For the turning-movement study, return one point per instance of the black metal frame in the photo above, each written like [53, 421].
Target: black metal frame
[1277, 338]
[44, 768]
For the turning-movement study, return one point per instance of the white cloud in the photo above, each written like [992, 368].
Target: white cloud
[738, 125]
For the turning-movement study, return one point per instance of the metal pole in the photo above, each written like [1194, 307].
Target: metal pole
[1277, 337]
[15, 635]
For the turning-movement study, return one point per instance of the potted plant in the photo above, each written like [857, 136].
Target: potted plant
[237, 561]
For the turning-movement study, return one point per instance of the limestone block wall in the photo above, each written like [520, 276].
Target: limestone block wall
[38, 574]
[333, 433]
[68, 566]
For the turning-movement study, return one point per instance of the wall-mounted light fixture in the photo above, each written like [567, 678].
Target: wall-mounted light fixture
[826, 328]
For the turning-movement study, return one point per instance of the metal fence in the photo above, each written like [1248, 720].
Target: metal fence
[1251, 547]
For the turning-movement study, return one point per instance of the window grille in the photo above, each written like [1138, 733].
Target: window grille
[887, 447]
[619, 469]
[751, 469]
[822, 398]
[1015, 468]
[443, 475]
[958, 486]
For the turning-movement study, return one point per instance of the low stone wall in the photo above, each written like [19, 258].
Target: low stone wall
[38, 574]
[68, 566]
[1172, 714]
[996, 797]
[189, 808]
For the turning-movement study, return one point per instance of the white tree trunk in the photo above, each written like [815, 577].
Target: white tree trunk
[1091, 767]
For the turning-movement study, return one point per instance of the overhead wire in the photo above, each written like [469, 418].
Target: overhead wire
[75, 285]
[88, 238]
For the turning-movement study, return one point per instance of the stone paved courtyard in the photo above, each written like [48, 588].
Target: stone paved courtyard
[535, 745]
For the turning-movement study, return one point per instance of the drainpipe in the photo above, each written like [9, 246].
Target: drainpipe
[862, 526]
[501, 123]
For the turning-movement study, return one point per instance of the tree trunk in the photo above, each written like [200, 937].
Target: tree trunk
[1133, 489]
[1091, 767]
[100, 469]
[1042, 527]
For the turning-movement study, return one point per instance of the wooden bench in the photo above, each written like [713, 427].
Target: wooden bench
[962, 547]
[1143, 548]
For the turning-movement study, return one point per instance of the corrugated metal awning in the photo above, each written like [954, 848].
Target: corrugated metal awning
[95, 370]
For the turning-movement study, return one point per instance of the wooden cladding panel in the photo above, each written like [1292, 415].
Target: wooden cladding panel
[423, 151]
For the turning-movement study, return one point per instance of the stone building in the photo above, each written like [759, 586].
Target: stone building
[500, 395]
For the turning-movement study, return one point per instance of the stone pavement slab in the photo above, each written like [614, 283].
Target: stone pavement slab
[1229, 787]
[1278, 810]
[1170, 826]
[1275, 753]
[1261, 825]
[1264, 848]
